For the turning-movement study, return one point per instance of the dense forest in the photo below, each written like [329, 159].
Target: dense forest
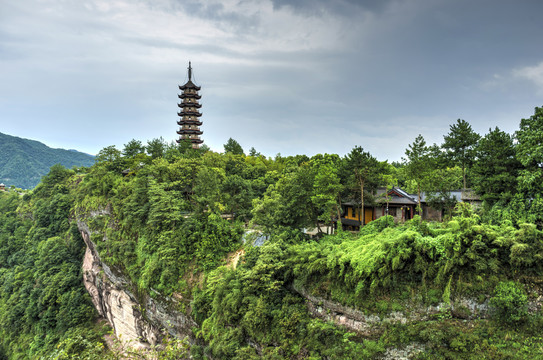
[23, 162]
[177, 214]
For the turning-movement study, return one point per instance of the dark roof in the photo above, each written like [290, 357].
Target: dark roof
[350, 222]
[399, 196]
[189, 85]
[396, 196]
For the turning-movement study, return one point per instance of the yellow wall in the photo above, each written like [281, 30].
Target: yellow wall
[351, 213]
[368, 215]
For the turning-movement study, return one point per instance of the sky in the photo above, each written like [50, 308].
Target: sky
[288, 77]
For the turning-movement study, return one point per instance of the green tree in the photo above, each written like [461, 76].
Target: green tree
[530, 153]
[365, 172]
[496, 169]
[254, 153]
[166, 205]
[233, 147]
[156, 147]
[110, 157]
[237, 196]
[389, 180]
[133, 148]
[184, 148]
[439, 184]
[529, 199]
[327, 189]
[54, 181]
[418, 165]
[460, 143]
[287, 204]
[207, 190]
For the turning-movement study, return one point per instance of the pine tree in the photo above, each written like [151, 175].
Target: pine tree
[460, 143]
[496, 168]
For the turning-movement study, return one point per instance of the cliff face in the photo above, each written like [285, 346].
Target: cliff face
[138, 323]
[369, 325]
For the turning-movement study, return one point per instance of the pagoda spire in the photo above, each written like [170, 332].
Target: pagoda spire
[189, 121]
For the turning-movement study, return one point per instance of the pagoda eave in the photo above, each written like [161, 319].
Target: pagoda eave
[189, 86]
[189, 122]
[189, 96]
[183, 113]
[189, 132]
[194, 141]
[196, 105]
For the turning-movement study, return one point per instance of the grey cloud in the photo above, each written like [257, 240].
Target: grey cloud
[340, 7]
[215, 10]
[393, 70]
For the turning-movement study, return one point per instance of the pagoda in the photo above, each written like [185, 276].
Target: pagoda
[189, 116]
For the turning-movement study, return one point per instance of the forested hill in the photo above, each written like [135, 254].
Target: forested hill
[159, 244]
[23, 162]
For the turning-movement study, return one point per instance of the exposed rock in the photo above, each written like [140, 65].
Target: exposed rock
[369, 325]
[405, 353]
[111, 294]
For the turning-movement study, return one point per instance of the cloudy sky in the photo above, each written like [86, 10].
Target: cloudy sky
[289, 77]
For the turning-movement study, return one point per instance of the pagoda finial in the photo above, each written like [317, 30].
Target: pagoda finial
[190, 71]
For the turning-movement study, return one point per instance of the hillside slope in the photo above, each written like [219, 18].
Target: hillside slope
[23, 162]
[459, 289]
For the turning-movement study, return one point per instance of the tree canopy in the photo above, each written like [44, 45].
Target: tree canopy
[182, 223]
[460, 145]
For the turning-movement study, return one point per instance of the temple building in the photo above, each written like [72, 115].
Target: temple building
[189, 116]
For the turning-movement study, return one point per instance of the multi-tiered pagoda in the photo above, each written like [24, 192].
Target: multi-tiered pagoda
[189, 114]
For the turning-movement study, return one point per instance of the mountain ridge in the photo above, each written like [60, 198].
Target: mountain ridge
[24, 161]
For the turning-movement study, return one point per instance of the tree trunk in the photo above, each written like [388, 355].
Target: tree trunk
[464, 176]
[338, 222]
[361, 216]
[338, 207]
[420, 206]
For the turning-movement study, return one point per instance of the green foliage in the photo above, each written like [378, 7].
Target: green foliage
[510, 302]
[253, 305]
[530, 154]
[326, 189]
[418, 165]
[167, 218]
[156, 148]
[496, 168]
[233, 147]
[41, 292]
[439, 184]
[110, 157]
[362, 173]
[386, 258]
[179, 215]
[133, 148]
[288, 203]
[460, 145]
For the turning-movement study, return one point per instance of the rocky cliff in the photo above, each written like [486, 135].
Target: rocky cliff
[138, 321]
[142, 320]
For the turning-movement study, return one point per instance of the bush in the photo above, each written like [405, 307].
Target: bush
[510, 302]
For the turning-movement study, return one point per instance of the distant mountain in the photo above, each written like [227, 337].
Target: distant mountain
[23, 162]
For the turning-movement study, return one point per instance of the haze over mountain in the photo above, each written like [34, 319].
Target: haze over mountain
[23, 162]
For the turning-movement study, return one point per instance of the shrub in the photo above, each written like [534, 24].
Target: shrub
[510, 302]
